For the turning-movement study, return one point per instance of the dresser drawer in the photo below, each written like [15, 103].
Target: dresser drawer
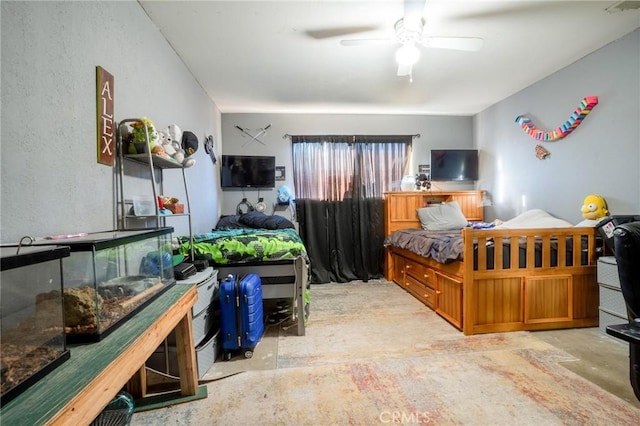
[202, 323]
[612, 301]
[207, 286]
[420, 272]
[607, 271]
[398, 269]
[423, 293]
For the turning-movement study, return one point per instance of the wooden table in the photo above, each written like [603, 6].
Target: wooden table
[80, 388]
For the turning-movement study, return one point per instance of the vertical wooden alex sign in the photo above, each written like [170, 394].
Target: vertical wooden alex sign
[104, 97]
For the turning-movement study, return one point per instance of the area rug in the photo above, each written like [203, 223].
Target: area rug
[374, 355]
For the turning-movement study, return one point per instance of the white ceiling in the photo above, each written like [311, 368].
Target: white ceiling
[264, 57]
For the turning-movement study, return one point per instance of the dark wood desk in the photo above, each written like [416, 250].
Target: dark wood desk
[79, 389]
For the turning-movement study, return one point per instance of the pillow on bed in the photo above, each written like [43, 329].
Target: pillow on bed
[443, 217]
[229, 222]
[254, 219]
[534, 218]
[260, 220]
[278, 222]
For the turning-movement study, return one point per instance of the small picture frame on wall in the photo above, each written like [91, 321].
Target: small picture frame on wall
[280, 173]
[424, 169]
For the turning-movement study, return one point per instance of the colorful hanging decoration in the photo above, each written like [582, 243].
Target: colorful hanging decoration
[574, 121]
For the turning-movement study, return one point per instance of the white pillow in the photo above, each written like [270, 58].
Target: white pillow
[588, 223]
[443, 217]
[534, 218]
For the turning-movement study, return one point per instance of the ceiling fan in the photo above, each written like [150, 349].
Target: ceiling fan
[409, 33]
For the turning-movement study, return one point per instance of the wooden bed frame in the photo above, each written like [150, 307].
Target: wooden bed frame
[496, 299]
[293, 280]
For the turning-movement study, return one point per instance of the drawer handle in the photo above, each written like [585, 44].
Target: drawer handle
[408, 266]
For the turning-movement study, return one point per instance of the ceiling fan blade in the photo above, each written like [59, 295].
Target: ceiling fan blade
[470, 44]
[413, 10]
[404, 70]
[367, 41]
[339, 31]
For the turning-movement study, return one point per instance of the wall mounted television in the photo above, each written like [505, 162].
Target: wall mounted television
[248, 171]
[454, 164]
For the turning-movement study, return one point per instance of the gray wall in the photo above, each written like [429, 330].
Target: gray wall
[435, 132]
[51, 183]
[600, 156]
[50, 180]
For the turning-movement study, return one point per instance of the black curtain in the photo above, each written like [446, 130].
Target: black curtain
[343, 229]
[343, 238]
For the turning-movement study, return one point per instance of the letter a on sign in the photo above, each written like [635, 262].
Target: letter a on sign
[106, 125]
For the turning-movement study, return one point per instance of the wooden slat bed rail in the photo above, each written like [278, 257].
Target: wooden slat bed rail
[552, 293]
[582, 241]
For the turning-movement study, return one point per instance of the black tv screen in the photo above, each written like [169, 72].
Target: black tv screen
[248, 171]
[454, 164]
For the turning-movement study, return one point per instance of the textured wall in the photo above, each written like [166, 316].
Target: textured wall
[601, 156]
[435, 132]
[51, 182]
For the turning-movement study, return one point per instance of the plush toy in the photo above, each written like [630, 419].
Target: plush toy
[171, 138]
[594, 209]
[138, 137]
[190, 145]
[168, 145]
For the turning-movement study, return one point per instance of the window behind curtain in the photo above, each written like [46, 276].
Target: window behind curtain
[334, 167]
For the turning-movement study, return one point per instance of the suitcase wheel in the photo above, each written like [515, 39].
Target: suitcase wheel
[248, 354]
[227, 356]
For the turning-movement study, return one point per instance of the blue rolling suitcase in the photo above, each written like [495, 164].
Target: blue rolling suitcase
[241, 314]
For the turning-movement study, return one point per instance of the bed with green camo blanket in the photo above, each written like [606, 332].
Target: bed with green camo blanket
[278, 256]
[246, 245]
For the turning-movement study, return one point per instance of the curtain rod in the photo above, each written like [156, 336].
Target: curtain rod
[287, 135]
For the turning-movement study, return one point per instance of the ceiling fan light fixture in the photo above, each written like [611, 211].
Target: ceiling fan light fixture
[407, 54]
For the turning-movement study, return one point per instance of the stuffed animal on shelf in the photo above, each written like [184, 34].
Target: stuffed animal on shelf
[190, 146]
[594, 209]
[171, 139]
[138, 139]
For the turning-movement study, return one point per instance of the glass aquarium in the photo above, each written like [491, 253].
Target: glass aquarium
[110, 275]
[31, 316]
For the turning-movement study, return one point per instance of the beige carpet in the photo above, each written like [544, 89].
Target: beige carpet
[375, 355]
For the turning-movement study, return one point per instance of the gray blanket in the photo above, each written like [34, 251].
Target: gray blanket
[441, 246]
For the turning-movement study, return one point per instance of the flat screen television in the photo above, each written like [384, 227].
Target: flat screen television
[454, 164]
[248, 171]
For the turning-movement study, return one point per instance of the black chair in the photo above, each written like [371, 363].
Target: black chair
[627, 252]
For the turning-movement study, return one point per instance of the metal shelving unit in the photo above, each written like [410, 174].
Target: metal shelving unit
[154, 163]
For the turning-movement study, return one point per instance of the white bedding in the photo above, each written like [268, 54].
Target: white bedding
[534, 218]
